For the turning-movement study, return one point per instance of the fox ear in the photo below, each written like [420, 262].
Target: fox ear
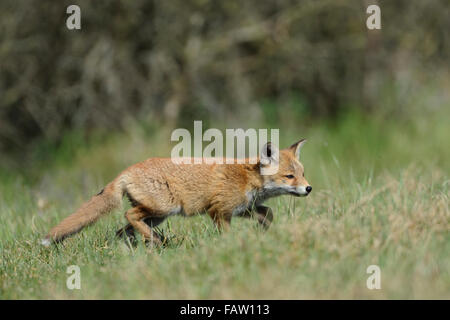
[295, 148]
[269, 154]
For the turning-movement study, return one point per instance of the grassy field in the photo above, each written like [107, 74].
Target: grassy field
[380, 196]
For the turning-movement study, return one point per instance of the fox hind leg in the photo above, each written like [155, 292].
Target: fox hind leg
[141, 220]
[128, 230]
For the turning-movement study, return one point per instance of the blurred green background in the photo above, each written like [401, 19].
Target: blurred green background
[156, 64]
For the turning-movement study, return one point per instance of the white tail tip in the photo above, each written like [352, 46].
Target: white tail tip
[46, 242]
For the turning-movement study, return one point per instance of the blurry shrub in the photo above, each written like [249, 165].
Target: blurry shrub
[173, 61]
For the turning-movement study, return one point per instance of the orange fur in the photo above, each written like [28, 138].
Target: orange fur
[158, 188]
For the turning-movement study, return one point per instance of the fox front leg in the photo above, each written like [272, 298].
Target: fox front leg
[264, 215]
[221, 220]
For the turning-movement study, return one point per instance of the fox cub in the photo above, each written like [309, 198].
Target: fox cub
[158, 188]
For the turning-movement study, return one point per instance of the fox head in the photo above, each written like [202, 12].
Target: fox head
[282, 171]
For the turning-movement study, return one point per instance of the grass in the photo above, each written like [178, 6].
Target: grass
[380, 197]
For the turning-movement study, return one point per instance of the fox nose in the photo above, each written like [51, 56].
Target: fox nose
[308, 189]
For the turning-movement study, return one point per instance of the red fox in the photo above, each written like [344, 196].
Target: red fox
[158, 188]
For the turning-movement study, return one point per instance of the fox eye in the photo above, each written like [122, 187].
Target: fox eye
[290, 176]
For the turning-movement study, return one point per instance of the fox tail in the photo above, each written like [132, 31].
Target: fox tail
[104, 202]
